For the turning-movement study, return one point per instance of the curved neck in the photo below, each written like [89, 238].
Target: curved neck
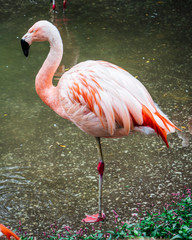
[43, 81]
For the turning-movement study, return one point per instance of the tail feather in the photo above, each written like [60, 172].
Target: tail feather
[150, 121]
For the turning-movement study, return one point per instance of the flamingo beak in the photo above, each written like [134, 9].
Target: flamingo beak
[25, 47]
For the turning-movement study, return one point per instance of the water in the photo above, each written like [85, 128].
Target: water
[48, 166]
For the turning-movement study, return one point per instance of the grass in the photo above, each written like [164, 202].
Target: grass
[174, 222]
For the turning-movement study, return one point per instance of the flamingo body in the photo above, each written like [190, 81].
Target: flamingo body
[101, 98]
[104, 100]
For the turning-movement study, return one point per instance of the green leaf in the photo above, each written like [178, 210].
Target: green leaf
[100, 235]
[110, 237]
[177, 237]
[111, 232]
[136, 233]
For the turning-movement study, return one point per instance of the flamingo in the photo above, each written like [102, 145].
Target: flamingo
[7, 232]
[102, 99]
[64, 5]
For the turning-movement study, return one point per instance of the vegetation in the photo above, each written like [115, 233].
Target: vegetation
[174, 222]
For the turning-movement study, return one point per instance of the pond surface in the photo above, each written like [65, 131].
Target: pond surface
[48, 166]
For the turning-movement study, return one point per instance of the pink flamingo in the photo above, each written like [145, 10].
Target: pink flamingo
[64, 5]
[7, 233]
[101, 98]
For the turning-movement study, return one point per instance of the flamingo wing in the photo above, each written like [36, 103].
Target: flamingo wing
[105, 100]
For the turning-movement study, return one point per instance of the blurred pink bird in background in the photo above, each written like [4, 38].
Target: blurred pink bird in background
[101, 98]
[54, 5]
[7, 233]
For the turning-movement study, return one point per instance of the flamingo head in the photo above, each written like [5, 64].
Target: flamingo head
[39, 32]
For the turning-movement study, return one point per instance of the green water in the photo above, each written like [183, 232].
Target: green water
[42, 182]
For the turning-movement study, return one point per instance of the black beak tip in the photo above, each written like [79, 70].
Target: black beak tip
[25, 47]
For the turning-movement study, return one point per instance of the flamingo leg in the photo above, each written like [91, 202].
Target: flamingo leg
[54, 5]
[100, 167]
[64, 5]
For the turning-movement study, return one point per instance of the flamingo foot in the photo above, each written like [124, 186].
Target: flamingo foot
[93, 218]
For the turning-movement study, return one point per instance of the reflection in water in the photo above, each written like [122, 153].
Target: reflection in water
[41, 181]
[190, 126]
[70, 48]
[185, 136]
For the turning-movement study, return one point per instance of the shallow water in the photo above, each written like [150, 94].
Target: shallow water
[48, 166]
